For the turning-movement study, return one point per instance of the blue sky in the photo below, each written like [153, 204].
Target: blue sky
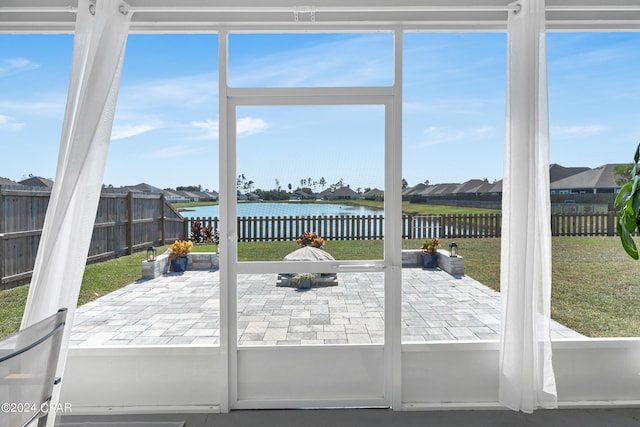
[165, 130]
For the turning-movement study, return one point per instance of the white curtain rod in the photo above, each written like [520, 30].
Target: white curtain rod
[265, 9]
[321, 9]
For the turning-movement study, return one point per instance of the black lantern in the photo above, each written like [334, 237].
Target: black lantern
[453, 250]
[151, 253]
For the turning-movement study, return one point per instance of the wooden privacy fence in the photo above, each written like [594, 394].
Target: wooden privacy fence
[125, 223]
[371, 227]
[584, 224]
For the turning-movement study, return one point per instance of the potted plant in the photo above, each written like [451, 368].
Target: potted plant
[429, 250]
[304, 280]
[178, 252]
[310, 239]
[629, 214]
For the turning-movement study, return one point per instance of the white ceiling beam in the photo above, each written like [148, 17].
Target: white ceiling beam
[157, 16]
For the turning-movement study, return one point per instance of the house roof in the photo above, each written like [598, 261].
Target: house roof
[415, 189]
[304, 195]
[344, 191]
[37, 181]
[600, 177]
[471, 186]
[143, 188]
[373, 192]
[189, 194]
[439, 189]
[7, 181]
[172, 193]
[495, 187]
[558, 172]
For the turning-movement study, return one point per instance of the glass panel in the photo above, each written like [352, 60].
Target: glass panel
[165, 136]
[34, 80]
[310, 176]
[349, 311]
[593, 102]
[310, 60]
[303, 173]
[453, 139]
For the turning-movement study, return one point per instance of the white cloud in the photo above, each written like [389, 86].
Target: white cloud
[436, 135]
[360, 60]
[15, 65]
[7, 123]
[249, 126]
[187, 92]
[211, 126]
[484, 130]
[35, 108]
[127, 131]
[577, 131]
[443, 135]
[246, 126]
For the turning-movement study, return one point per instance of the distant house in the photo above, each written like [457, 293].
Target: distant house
[7, 181]
[342, 193]
[192, 196]
[114, 190]
[599, 180]
[439, 189]
[184, 196]
[248, 197]
[374, 194]
[568, 180]
[212, 196]
[409, 192]
[37, 181]
[494, 189]
[473, 186]
[301, 195]
[557, 172]
[143, 188]
[175, 197]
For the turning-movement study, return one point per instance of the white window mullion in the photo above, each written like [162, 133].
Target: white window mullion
[393, 233]
[228, 329]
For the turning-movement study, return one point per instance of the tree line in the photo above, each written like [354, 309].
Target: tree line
[245, 185]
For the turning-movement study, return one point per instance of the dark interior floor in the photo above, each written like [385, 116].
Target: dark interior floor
[618, 417]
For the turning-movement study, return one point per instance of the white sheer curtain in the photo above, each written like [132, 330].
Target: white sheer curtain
[527, 380]
[99, 44]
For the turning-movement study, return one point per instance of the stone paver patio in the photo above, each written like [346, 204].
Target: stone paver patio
[183, 308]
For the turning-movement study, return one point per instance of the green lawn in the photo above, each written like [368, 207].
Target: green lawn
[421, 209]
[596, 286]
[192, 204]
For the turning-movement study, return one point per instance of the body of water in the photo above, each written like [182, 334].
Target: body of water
[284, 210]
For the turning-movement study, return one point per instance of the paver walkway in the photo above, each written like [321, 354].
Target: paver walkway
[183, 308]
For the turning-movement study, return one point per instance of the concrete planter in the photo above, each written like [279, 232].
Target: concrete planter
[196, 261]
[429, 261]
[453, 266]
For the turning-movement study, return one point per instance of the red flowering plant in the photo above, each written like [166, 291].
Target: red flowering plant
[310, 239]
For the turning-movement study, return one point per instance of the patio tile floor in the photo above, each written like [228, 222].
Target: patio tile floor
[183, 309]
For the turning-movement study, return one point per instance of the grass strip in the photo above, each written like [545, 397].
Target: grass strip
[596, 287]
